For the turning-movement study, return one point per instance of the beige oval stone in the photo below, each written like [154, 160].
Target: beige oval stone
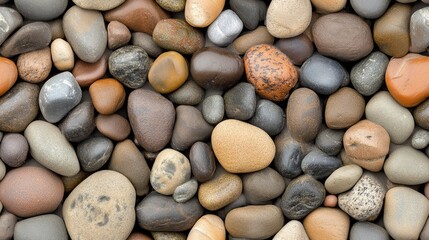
[208, 227]
[202, 13]
[329, 6]
[292, 230]
[327, 223]
[343, 179]
[62, 55]
[241, 147]
[35, 66]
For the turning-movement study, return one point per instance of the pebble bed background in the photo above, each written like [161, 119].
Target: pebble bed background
[214, 119]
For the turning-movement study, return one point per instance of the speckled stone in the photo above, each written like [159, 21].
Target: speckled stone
[32, 70]
[370, 9]
[188, 94]
[93, 153]
[186, 191]
[368, 230]
[168, 235]
[213, 109]
[250, 12]
[330, 141]
[343, 179]
[12, 20]
[79, 123]
[203, 162]
[262, 186]
[419, 31]
[49, 227]
[225, 28]
[319, 164]
[98, 4]
[208, 227]
[240, 101]
[201, 13]
[13, 149]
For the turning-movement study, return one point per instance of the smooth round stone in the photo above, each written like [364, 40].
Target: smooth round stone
[62, 55]
[113, 126]
[102, 206]
[250, 12]
[392, 30]
[286, 19]
[58, 96]
[421, 115]
[330, 141]
[405, 213]
[186, 191]
[365, 200]
[187, 94]
[292, 230]
[18, 107]
[216, 68]
[90, 42]
[240, 101]
[202, 13]
[49, 147]
[327, 223]
[269, 117]
[208, 227]
[344, 108]
[343, 36]
[35, 66]
[49, 227]
[419, 31]
[152, 214]
[270, 71]
[94, 152]
[262, 186]
[370, 9]
[168, 72]
[87, 73]
[304, 115]
[129, 65]
[42, 10]
[213, 109]
[367, 230]
[13, 149]
[343, 179]
[128, 160]
[225, 28]
[11, 20]
[30, 37]
[137, 15]
[8, 74]
[79, 123]
[152, 128]
[420, 139]
[31, 191]
[223, 189]
[2, 171]
[321, 74]
[330, 201]
[289, 155]
[302, 195]
[146, 42]
[172, 5]
[118, 35]
[406, 165]
[319, 164]
[178, 35]
[396, 119]
[98, 4]
[170, 170]
[202, 160]
[367, 76]
[405, 81]
[241, 147]
[298, 48]
[107, 95]
[329, 6]
[260, 35]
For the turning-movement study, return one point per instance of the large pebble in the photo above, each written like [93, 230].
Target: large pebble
[79, 123]
[8, 74]
[343, 179]
[202, 13]
[94, 152]
[49, 227]
[269, 117]
[327, 223]
[225, 28]
[107, 95]
[368, 230]
[250, 12]
[241, 147]
[168, 72]
[240, 101]
[344, 108]
[208, 227]
[102, 207]
[263, 185]
[370, 9]
[42, 11]
[50, 148]
[13, 149]
[319, 164]
[202, 160]
[292, 230]
[11, 20]
[113, 126]
[98, 5]
[35, 66]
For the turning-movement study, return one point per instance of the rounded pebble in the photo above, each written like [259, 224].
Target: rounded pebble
[93, 153]
[43, 10]
[202, 160]
[208, 227]
[213, 109]
[79, 123]
[118, 35]
[13, 149]
[262, 186]
[240, 101]
[225, 28]
[327, 223]
[8, 74]
[369, 8]
[35, 66]
[344, 108]
[186, 191]
[168, 72]
[367, 230]
[202, 13]
[113, 126]
[187, 94]
[62, 55]
[292, 230]
[343, 179]
[49, 227]
[269, 117]
[107, 95]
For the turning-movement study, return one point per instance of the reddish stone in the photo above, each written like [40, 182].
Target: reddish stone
[87, 73]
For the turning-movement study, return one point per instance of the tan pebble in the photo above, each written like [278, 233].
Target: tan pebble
[329, 6]
[292, 230]
[35, 66]
[202, 13]
[330, 201]
[327, 223]
[208, 227]
[258, 36]
[62, 55]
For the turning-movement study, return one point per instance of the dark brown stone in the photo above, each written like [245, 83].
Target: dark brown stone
[203, 162]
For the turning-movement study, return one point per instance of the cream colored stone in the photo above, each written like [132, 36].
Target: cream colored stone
[208, 227]
[201, 13]
[62, 55]
[292, 230]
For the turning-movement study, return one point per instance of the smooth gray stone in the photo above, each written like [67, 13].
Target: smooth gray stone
[146, 42]
[225, 29]
[185, 191]
[319, 164]
[190, 93]
[262, 186]
[251, 12]
[370, 9]
[368, 230]
[420, 139]
[79, 123]
[93, 153]
[240, 101]
[47, 227]
[41, 10]
[213, 109]
[58, 96]
[419, 30]
[330, 141]
[268, 116]
[10, 20]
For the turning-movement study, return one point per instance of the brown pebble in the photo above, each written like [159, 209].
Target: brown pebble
[344, 108]
[87, 73]
[35, 66]
[108, 95]
[330, 201]
[118, 35]
[113, 126]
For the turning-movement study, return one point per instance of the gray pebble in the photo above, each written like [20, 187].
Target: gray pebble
[213, 109]
[146, 42]
[420, 139]
[14, 149]
[41, 10]
[190, 93]
[419, 30]
[240, 101]
[48, 227]
[368, 230]
[185, 191]
[79, 123]
[225, 28]
[367, 76]
[93, 153]
[268, 116]
[11, 21]
[319, 165]
[330, 141]
[370, 9]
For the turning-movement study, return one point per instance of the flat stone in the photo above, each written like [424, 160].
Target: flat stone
[172, 5]
[260, 35]
[87, 73]
[421, 115]
[35, 66]
[13, 149]
[368, 230]
[186, 191]
[319, 164]
[370, 9]
[93, 153]
[225, 28]
[269, 117]
[330, 141]
[11, 20]
[187, 94]
[292, 230]
[113, 126]
[107, 95]
[146, 42]
[168, 72]
[98, 5]
[208, 227]
[49, 227]
[298, 48]
[202, 160]
[213, 109]
[202, 13]
[42, 11]
[118, 35]
[343, 179]
[262, 186]
[250, 12]
[240, 101]
[327, 223]
[79, 123]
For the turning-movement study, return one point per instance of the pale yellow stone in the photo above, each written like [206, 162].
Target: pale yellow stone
[208, 227]
[62, 55]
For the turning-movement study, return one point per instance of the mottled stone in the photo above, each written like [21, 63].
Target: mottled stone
[35, 66]
[203, 162]
[187, 94]
[330, 141]
[49, 227]
[420, 139]
[213, 109]
[11, 21]
[319, 164]
[79, 122]
[262, 186]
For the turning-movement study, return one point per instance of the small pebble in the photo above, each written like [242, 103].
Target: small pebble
[262, 186]
[8, 74]
[93, 153]
[7, 224]
[319, 164]
[269, 117]
[250, 12]
[35, 66]
[146, 42]
[202, 13]
[298, 48]
[113, 126]
[187, 94]
[107, 95]
[421, 115]
[12, 21]
[330, 141]
[79, 122]
[13, 149]
[87, 73]
[344, 108]
[258, 36]
[172, 5]
[240, 101]
[202, 160]
[186, 191]
[2, 170]
[327, 223]
[168, 72]
[213, 109]
[98, 5]
[118, 35]
[420, 139]
[62, 55]
[330, 201]
[343, 179]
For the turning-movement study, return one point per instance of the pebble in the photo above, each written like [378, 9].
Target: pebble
[405, 213]
[420, 139]
[62, 55]
[98, 5]
[260, 35]
[107, 95]
[79, 123]
[396, 119]
[208, 227]
[329, 6]
[213, 109]
[239, 202]
[367, 76]
[421, 115]
[406, 165]
[130, 65]
[392, 30]
[368, 230]
[87, 73]
[269, 117]
[225, 29]
[202, 13]
[170, 170]
[71, 182]
[366, 143]
[286, 19]
[127, 159]
[250, 12]
[319, 164]
[327, 223]
[262, 186]
[289, 155]
[58, 96]
[137, 15]
[270, 71]
[344, 108]
[343, 179]
[7, 224]
[370, 9]
[330, 201]
[304, 115]
[292, 230]
[424, 233]
[403, 79]
[49, 147]
[90, 42]
[365, 200]
[2, 171]
[118, 35]
[102, 206]
[152, 214]
[8, 75]
[330, 141]
[322, 75]
[241, 147]
[42, 11]
[32, 70]
[146, 42]
[49, 227]
[240, 101]
[113, 126]
[302, 195]
[186, 191]
[178, 35]
[57, 28]
[172, 5]
[168, 236]
[11, 20]
[221, 190]
[30, 37]
[19, 107]
[419, 31]
[298, 48]
[216, 68]
[31, 191]
[202, 160]
[187, 94]
[93, 153]
[168, 72]
[13, 149]
[152, 128]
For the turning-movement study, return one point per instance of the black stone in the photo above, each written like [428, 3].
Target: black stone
[79, 123]
[269, 116]
[240, 101]
[319, 164]
[330, 141]
[94, 152]
[203, 162]
[251, 12]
